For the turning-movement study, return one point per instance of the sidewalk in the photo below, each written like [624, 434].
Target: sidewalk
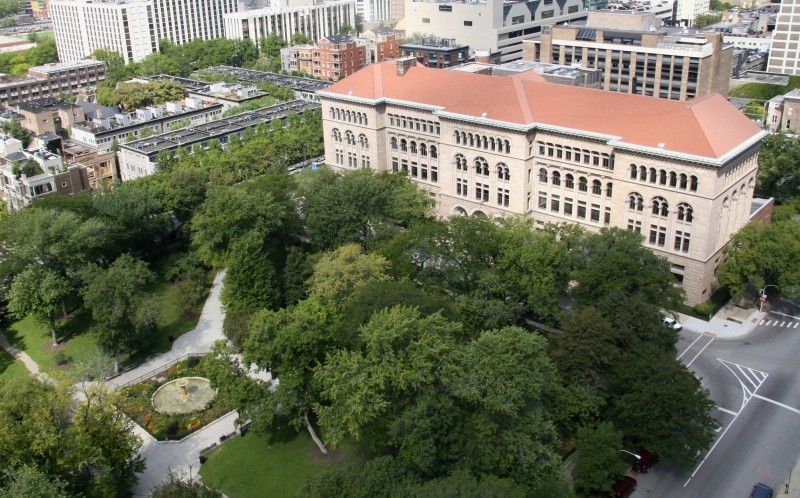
[730, 322]
[791, 488]
[19, 355]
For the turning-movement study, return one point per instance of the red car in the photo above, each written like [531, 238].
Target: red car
[646, 460]
[624, 487]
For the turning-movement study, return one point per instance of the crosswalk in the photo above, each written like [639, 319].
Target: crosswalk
[784, 324]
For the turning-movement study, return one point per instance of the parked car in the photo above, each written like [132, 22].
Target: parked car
[672, 323]
[624, 487]
[646, 460]
[761, 491]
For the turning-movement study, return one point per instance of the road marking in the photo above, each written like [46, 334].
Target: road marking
[768, 322]
[796, 324]
[784, 314]
[762, 398]
[761, 322]
[744, 403]
[700, 352]
[782, 323]
[690, 346]
[725, 410]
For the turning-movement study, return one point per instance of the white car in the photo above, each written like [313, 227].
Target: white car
[672, 323]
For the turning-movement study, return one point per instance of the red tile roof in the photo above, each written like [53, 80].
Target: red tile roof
[707, 127]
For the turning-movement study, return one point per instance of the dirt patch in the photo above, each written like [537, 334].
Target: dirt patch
[49, 348]
[318, 456]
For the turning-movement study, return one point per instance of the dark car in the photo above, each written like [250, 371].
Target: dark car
[761, 491]
[624, 487]
[646, 460]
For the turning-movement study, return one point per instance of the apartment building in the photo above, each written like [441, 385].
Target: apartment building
[382, 43]
[139, 158]
[436, 52]
[785, 54]
[101, 132]
[639, 56]
[49, 115]
[686, 11]
[680, 173]
[133, 27]
[375, 10]
[297, 58]
[337, 56]
[315, 19]
[493, 25]
[50, 80]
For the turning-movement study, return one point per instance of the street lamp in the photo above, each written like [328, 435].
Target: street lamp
[633, 454]
[762, 295]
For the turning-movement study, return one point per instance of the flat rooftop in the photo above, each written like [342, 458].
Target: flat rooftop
[44, 104]
[61, 66]
[294, 82]
[219, 128]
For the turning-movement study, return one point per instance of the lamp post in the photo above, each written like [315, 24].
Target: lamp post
[762, 296]
[632, 454]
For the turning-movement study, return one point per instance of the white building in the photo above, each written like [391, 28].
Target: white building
[287, 17]
[785, 55]
[376, 10]
[489, 24]
[688, 10]
[133, 27]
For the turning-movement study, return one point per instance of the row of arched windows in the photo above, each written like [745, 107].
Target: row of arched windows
[349, 116]
[413, 147]
[482, 141]
[660, 207]
[482, 167]
[665, 178]
[569, 182]
[350, 138]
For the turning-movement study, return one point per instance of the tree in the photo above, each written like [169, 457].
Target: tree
[86, 445]
[599, 461]
[116, 71]
[671, 418]
[251, 281]
[121, 306]
[12, 7]
[345, 29]
[32, 483]
[15, 129]
[338, 274]
[158, 63]
[761, 254]
[134, 95]
[703, 20]
[176, 487]
[291, 343]
[39, 292]
[300, 39]
[779, 167]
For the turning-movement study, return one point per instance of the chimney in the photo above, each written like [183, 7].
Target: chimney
[404, 63]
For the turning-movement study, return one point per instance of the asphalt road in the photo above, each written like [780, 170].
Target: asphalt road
[755, 382]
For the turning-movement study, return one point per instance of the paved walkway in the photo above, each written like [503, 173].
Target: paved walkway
[730, 322]
[19, 355]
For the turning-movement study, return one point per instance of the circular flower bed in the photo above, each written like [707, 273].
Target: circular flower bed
[136, 402]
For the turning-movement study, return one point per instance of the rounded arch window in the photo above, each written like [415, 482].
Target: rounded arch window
[660, 206]
[635, 201]
[685, 212]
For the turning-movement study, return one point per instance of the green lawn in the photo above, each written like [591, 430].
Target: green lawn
[10, 368]
[43, 35]
[81, 340]
[764, 91]
[251, 466]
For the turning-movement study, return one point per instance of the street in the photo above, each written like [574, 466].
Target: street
[755, 382]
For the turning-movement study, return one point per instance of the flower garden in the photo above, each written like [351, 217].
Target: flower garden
[136, 403]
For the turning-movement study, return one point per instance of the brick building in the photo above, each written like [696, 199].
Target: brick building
[49, 115]
[51, 79]
[436, 52]
[337, 56]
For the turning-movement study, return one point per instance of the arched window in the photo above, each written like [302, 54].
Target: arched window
[508, 147]
[693, 183]
[503, 172]
[685, 212]
[457, 136]
[556, 178]
[403, 145]
[481, 166]
[347, 116]
[492, 143]
[635, 202]
[363, 142]
[331, 113]
[583, 184]
[569, 181]
[684, 181]
[413, 147]
[673, 179]
[597, 187]
[653, 175]
[423, 150]
[643, 173]
[634, 171]
[336, 134]
[543, 175]
[461, 162]
[433, 152]
[662, 177]
[366, 122]
[393, 142]
[660, 206]
[349, 137]
[471, 140]
[609, 189]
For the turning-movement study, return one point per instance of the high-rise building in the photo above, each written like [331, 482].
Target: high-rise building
[286, 17]
[688, 10]
[133, 27]
[377, 10]
[784, 57]
[493, 25]
[636, 55]
[681, 173]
